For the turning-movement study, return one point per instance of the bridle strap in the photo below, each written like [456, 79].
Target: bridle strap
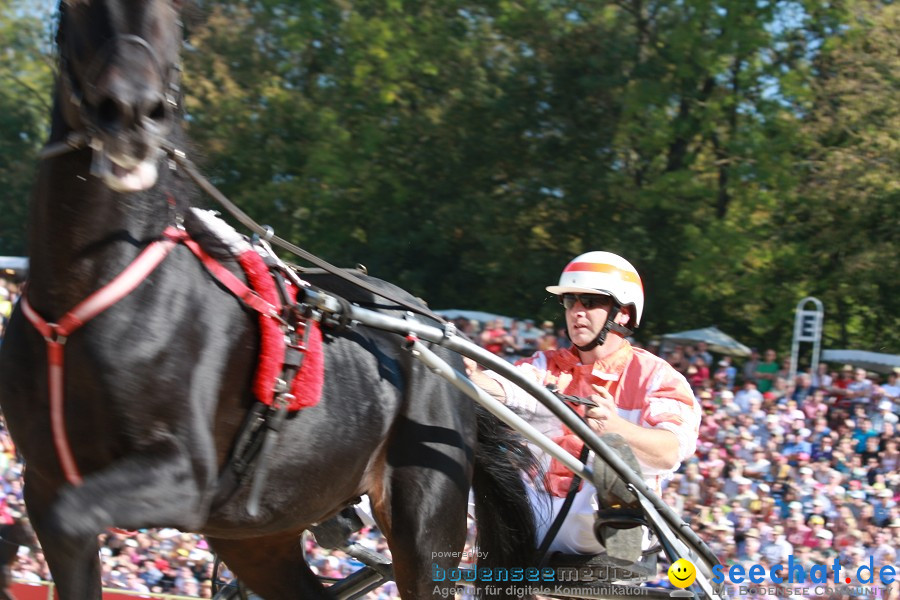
[232, 283]
[610, 325]
[72, 93]
[56, 334]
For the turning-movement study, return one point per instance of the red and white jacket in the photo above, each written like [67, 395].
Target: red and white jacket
[646, 389]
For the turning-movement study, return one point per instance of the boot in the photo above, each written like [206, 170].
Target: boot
[619, 517]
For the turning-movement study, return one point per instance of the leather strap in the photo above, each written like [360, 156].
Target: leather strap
[56, 334]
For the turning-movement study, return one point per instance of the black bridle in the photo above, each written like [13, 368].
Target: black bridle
[85, 132]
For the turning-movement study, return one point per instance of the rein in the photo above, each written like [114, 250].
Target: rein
[267, 234]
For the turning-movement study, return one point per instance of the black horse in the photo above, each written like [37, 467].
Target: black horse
[136, 427]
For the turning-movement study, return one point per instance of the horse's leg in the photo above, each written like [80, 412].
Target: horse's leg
[272, 566]
[159, 484]
[5, 579]
[422, 504]
[74, 559]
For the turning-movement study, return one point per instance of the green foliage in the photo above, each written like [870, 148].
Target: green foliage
[742, 154]
[846, 215]
[25, 83]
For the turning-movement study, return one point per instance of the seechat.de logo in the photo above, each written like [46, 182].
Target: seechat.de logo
[682, 573]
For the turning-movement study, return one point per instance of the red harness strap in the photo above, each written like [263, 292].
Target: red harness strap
[126, 282]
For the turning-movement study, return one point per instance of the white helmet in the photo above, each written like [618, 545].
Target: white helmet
[606, 273]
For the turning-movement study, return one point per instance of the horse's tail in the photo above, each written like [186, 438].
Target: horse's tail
[504, 519]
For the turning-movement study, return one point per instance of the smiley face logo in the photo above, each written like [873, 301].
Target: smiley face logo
[682, 573]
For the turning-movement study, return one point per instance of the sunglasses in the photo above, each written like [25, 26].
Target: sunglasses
[588, 301]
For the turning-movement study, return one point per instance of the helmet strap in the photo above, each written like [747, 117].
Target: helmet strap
[610, 325]
[620, 329]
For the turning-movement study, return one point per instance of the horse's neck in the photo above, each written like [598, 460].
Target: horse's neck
[81, 233]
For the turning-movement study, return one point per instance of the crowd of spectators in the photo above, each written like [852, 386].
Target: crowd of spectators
[804, 467]
[808, 467]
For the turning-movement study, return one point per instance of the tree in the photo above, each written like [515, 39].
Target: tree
[844, 223]
[25, 83]
[467, 150]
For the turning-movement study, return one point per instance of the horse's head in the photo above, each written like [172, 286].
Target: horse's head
[119, 77]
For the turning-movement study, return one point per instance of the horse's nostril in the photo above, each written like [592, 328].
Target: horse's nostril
[108, 114]
[158, 113]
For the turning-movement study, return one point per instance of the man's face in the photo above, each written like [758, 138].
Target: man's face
[584, 323]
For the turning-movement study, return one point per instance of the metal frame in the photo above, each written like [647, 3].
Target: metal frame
[676, 537]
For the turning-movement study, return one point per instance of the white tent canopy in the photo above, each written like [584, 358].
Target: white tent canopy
[9, 264]
[716, 340]
[870, 361]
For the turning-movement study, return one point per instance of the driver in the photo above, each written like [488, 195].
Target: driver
[640, 398]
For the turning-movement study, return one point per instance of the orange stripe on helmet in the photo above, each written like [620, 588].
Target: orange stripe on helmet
[629, 276]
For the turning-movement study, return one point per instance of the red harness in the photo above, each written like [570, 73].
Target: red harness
[56, 334]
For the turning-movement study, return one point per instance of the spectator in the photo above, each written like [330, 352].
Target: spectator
[803, 388]
[814, 406]
[702, 352]
[863, 431]
[527, 338]
[860, 389]
[890, 390]
[698, 372]
[677, 359]
[745, 397]
[820, 379]
[839, 387]
[882, 507]
[885, 414]
[725, 373]
[750, 366]
[495, 338]
[890, 456]
[766, 372]
[780, 548]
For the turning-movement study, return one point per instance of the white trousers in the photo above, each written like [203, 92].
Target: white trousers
[576, 535]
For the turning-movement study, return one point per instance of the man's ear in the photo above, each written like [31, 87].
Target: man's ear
[623, 317]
